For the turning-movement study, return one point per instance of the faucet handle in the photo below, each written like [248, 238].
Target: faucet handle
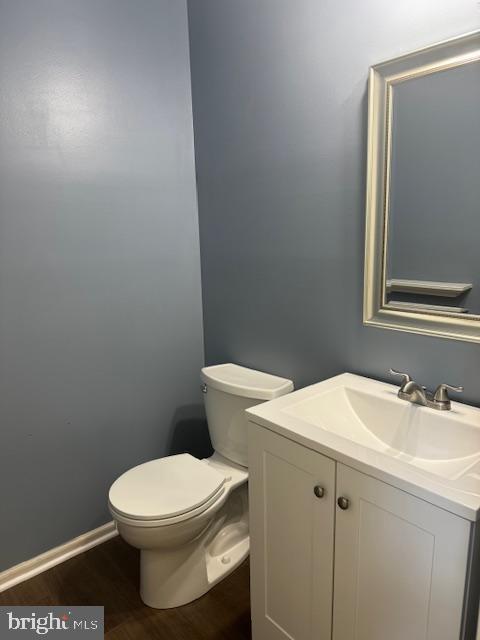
[441, 392]
[405, 377]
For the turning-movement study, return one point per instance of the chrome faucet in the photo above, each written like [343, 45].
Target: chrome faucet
[417, 394]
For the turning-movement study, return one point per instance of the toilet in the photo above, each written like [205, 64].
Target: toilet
[189, 517]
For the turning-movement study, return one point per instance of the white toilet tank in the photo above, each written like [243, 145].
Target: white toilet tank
[228, 390]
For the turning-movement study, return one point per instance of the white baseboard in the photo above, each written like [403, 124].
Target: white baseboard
[49, 559]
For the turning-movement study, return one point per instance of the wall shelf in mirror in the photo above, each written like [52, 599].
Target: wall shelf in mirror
[428, 288]
[420, 306]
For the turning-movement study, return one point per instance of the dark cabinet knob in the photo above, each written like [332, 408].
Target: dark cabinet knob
[319, 491]
[343, 503]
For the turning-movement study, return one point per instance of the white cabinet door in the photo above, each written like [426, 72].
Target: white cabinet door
[400, 564]
[291, 538]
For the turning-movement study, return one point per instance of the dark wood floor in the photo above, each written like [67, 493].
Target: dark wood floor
[108, 575]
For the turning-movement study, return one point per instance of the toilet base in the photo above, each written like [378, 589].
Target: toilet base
[174, 577]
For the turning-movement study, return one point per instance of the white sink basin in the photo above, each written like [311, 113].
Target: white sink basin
[379, 419]
[365, 421]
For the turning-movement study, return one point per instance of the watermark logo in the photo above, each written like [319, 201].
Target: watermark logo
[52, 622]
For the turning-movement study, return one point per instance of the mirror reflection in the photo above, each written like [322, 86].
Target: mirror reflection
[432, 225]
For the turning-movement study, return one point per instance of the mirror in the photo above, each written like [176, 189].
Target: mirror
[422, 259]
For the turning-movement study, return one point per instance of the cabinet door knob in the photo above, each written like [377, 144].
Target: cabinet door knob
[343, 503]
[319, 491]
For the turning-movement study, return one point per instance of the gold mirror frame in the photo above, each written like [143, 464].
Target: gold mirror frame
[382, 80]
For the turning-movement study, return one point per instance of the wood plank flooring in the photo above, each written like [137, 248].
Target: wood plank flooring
[108, 575]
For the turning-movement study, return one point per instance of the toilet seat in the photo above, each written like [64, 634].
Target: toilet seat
[211, 505]
[166, 490]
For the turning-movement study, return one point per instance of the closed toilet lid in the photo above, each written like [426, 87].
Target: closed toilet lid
[165, 488]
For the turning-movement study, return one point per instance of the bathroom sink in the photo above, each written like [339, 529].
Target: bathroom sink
[363, 423]
[380, 420]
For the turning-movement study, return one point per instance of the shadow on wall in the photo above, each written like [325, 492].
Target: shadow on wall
[189, 433]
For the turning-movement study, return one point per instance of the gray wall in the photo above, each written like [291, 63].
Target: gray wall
[100, 302]
[434, 220]
[279, 96]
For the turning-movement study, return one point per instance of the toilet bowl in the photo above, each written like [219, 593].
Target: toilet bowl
[189, 517]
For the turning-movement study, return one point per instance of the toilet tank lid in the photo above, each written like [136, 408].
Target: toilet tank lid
[240, 381]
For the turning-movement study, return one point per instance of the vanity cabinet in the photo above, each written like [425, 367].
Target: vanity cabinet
[338, 554]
